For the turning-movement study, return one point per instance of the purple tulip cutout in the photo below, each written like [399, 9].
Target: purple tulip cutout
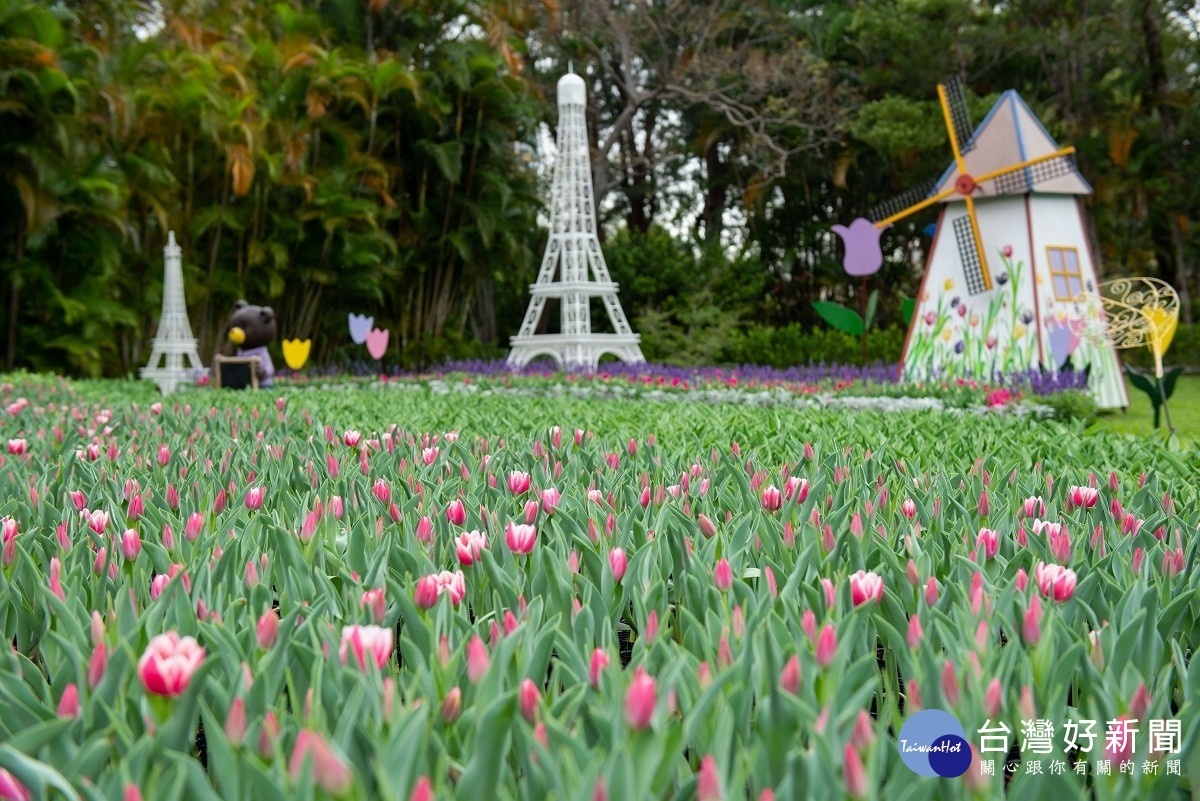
[377, 342]
[360, 324]
[863, 254]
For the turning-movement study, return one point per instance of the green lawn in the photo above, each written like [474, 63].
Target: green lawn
[1139, 419]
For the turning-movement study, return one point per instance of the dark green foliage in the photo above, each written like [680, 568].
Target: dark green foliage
[1148, 383]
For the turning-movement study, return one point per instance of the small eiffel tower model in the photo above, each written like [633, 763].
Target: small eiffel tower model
[575, 251]
[174, 341]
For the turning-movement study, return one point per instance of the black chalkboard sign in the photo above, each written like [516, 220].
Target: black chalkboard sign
[236, 372]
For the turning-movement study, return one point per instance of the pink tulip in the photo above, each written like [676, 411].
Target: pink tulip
[723, 575]
[17, 447]
[708, 781]
[915, 632]
[865, 587]
[772, 499]
[640, 700]
[328, 771]
[1031, 626]
[707, 527]
[168, 664]
[984, 507]
[908, 508]
[131, 545]
[172, 497]
[550, 499]
[1055, 582]
[193, 527]
[137, 507]
[826, 645]
[382, 490]
[598, 664]
[1022, 579]
[267, 631]
[422, 791]
[949, 683]
[97, 664]
[219, 502]
[1060, 545]
[351, 438]
[1083, 497]
[1140, 703]
[520, 538]
[97, 521]
[992, 698]
[164, 455]
[78, 498]
[375, 600]
[452, 705]
[796, 489]
[68, 704]
[988, 541]
[477, 659]
[254, 498]
[11, 789]
[789, 677]
[854, 774]
[469, 546]
[863, 735]
[426, 591]
[518, 482]
[368, 644]
[530, 698]
[1034, 506]
[618, 562]
[456, 513]
[235, 721]
[8, 533]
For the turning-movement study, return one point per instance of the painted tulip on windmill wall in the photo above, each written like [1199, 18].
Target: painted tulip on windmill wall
[863, 256]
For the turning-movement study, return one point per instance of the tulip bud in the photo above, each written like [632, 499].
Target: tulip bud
[723, 575]
[530, 698]
[235, 721]
[477, 659]
[68, 704]
[452, 705]
[267, 631]
[789, 677]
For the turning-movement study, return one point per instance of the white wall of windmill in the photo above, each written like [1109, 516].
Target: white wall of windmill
[958, 333]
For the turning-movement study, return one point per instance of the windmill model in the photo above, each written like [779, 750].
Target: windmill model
[173, 342]
[1011, 198]
[574, 249]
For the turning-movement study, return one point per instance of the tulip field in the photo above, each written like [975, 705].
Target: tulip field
[391, 593]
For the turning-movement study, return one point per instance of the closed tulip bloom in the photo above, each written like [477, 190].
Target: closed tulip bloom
[772, 499]
[328, 771]
[193, 526]
[915, 632]
[137, 507]
[723, 575]
[422, 791]
[854, 774]
[707, 527]
[351, 438]
[456, 513]
[131, 545]
[1060, 545]
[796, 488]
[949, 683]
[426, 591]
[452, 705]
[598, 663]
[97, 664]
[376, 601]
[368, 645]
[267, 631]
[17, 447]
[254, 498]
[992, 698]
[640, 700]
[908, 508]
[425, 529]
[530, 698]
[988, 542]
[618, 562]
[520, 538]
[168, 664]
[826, 645]
[79, 500]
[1034, 506]
[477, 659]
[132, 793]
[708, 781]
[11, 789]
[550, 499]
[382, 490]
[68, 704]
[1055, 582]
[235, 721]
[865, 587]
[96, 520]
[863, 734]
[789, 677]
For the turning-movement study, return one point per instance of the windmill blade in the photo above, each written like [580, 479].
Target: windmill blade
[1021, 178]
[960, 116]
[892, 208]
[970, 253]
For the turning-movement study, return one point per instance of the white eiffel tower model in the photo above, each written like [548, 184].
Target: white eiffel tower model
[174, 341]
[574, 248]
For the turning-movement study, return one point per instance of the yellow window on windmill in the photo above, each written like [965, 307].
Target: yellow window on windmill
[1065, 274]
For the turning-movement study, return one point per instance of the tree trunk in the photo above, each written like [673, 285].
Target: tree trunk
[1181, 271]
[14, 298]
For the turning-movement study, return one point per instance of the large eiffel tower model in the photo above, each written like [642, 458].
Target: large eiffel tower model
[173, 343]
[575, 251]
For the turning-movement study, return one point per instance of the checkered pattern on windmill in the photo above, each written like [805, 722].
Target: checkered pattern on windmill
[960, 116]
[1024, 180]
[969, 253]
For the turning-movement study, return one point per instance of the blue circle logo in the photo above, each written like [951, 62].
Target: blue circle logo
[933, 743]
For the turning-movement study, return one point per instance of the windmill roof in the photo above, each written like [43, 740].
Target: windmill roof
[1009, 134]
